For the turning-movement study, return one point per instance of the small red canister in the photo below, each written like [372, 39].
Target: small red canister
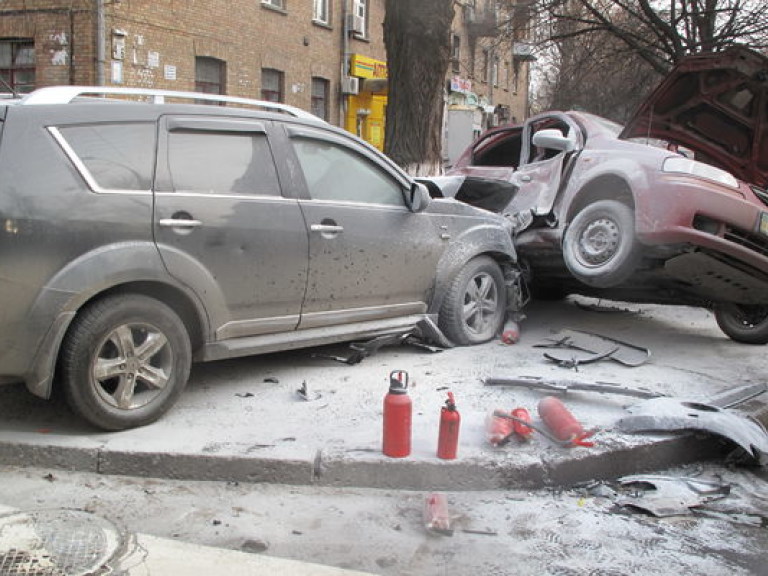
[448, 438]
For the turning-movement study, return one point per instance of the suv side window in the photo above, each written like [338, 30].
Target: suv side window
[116, 156]
[221, 162]
[333, 172]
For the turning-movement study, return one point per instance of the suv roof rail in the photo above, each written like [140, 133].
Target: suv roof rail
[66, 94]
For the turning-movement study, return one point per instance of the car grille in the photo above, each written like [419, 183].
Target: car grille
[754, 242]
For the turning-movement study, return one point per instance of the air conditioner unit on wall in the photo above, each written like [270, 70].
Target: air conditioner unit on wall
[355, 24]
[350, 85]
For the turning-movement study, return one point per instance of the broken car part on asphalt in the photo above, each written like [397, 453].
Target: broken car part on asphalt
[362, 350]
[671, 415]
[670, 496]
[597, 345]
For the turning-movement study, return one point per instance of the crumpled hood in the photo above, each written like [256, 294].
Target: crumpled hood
[716, 104]
[487, 193]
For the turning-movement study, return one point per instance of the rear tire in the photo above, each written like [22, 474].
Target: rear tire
[745, 324]
[475, 307]
[125, 361]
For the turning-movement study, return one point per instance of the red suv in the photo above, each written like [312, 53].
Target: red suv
[671, 208]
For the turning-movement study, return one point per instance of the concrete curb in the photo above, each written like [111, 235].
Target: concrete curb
[557, 467]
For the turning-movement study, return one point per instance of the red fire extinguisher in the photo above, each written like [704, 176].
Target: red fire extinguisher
[397, 416]
[448, 437]
[522, 417]
[562, 423]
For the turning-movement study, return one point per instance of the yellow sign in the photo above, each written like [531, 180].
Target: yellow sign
[365, 67]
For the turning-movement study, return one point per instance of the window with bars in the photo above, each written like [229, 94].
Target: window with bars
[321, 13]
[456, 54]
[17, 65]
[210, 75]
[271, 85]
[320, 92]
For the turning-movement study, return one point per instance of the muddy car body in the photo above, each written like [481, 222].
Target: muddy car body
[141, 236]
[671, 208]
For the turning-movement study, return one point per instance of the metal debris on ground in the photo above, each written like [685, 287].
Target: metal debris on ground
[597, 345]
[727, 399]
[361, 350]
[668, 495]
[304, 393]
[571, 361]
[672, 415]
[565, 386]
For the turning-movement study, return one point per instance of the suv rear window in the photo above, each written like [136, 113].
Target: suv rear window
[115, 156]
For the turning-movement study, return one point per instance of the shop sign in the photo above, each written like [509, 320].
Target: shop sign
[461, 85]
[365, 67]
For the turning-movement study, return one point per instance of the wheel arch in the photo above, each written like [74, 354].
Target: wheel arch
[93, 277]
[603, 187]
[479, 241]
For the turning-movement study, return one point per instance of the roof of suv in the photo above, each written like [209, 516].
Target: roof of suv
[68, 94]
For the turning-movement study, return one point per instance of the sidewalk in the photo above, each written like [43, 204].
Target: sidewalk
[54, 541]
[241, 420]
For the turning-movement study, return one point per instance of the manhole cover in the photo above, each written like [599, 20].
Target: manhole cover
[55, 543]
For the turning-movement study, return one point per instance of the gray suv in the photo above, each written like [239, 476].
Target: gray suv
[143, 231]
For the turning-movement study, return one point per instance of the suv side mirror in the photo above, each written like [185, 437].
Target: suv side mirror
[553, 139]
[420, 197]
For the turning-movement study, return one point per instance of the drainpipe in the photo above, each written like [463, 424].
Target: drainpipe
[100, 42]
[344, 63]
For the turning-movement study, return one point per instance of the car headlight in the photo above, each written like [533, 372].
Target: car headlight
[681, 165]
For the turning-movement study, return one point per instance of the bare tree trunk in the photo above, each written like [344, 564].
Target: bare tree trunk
[417, 38]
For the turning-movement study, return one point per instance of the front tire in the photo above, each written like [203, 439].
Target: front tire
[125, 361]
[742, 323]
[600, 248]
[475, 307]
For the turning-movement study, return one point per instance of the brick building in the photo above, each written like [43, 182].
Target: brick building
[325, 56]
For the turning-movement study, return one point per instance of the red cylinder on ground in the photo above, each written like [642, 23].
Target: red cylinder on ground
[498, 428]
[397, 417]
[448, 437]
[523, 431]
[561, 422]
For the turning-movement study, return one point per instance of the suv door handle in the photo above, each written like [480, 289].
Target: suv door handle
[326, 228]
[180, 223]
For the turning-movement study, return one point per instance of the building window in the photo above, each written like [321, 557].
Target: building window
[495, 72]
[279, 4]
[271, 85]
[360, 17]
[486, 65]
[320, 12]
[320, 91]
[210, 75]
[456, 54]
[17, 65]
